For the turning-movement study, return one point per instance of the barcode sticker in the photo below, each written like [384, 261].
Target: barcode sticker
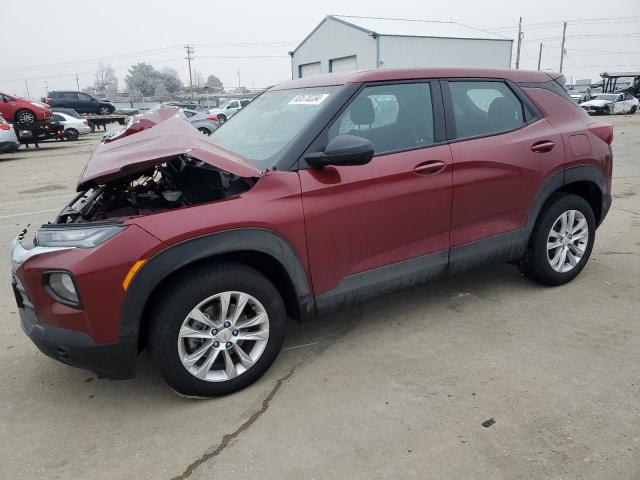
[308, 99]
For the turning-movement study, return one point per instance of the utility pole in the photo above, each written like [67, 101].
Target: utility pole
[46, 86]
[238, 78]
[539, 56]
[188, 58]
[77, 82]
[27, 85]
[519, 43]
[564, 31]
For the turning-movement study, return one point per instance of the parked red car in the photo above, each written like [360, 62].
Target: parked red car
[322, 192]
[19, 110]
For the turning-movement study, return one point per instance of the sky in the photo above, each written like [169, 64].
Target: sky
[247, 43]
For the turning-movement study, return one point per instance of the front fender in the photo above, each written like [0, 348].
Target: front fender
[173, 258]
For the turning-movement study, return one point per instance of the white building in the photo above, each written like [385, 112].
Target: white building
[341, 43]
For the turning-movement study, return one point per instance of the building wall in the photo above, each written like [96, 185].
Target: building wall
[334, 39]
[397, 51]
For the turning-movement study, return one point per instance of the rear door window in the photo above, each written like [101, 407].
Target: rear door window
[392, 117]
[484, 108]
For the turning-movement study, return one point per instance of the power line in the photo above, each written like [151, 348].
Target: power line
[91, 60]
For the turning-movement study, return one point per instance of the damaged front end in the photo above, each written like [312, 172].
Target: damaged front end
[159, 162]
[180, 182]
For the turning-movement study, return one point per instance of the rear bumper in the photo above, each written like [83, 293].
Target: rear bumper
[112, 360]
[8, 147]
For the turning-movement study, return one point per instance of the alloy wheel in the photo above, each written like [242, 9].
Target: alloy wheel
[223, 336]
[26, 117]
[567, 241]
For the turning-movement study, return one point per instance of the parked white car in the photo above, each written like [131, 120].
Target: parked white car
[8, 139]
[73, 127]
[611, 103]
[226, 110]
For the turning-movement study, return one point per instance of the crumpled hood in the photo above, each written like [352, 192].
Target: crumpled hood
[596, 103]
[154, 139]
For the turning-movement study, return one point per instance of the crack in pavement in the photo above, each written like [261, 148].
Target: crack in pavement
[246, 425]
[226, 439]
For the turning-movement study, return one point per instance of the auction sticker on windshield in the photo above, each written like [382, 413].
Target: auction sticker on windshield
[308, 99]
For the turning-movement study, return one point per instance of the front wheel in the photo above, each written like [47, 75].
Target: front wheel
[216, 329]
[25, 116]
[104, 110]
[561, 241]
[222, 119]
[204, 131]
[633, 109]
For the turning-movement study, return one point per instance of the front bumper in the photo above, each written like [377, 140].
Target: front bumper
[592, 110]
[113, 360]
[86, 336]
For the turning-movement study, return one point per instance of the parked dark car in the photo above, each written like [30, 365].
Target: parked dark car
[80, 102]
[322, 192]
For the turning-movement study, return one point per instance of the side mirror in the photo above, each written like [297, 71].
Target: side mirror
[343, 150]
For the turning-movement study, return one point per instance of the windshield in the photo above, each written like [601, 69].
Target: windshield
[606, 97]
[261, 130]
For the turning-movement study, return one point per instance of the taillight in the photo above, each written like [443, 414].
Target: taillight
[5, 126]
[213, 117]
[604, 131]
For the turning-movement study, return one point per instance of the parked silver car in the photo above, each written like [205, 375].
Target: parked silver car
[203, 121]
[8, 140]
[226, 110]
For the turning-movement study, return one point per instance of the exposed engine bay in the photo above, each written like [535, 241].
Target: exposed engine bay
[179, 182]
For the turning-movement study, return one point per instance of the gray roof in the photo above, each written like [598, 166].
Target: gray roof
[409, 28]
[416, 28]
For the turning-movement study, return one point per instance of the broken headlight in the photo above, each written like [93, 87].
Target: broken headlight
[82, 237]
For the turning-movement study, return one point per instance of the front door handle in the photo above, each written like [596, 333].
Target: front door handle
[543, 146]
[427, 168]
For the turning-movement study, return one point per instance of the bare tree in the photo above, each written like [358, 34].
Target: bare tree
[198, 79]
[106, 82]
[213, 82]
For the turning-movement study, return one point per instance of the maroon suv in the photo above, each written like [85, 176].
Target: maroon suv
[322, 192]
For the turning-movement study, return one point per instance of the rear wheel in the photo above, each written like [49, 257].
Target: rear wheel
[25, 116]
[204, 131]
[71, 134]
[104, 110]
[217, 329]
[561, 241]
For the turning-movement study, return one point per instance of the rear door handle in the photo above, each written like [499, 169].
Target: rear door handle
[427, 168]
[543, 146]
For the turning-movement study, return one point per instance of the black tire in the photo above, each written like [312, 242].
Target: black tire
[71, 134]
[186, 291]
[25, 116]
[221, 119]
[104, 110]
[535, 263]
[204, 131]
[633, 109]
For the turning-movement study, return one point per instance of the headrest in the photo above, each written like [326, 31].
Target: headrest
[362, 111]
[503, 113]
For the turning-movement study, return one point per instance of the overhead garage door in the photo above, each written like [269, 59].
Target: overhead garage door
[310, 69]
[344, 64]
